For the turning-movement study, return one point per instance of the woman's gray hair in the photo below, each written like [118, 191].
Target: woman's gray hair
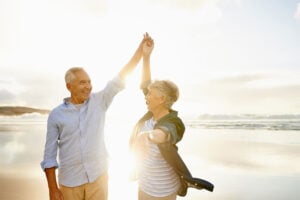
[69, 76]
[168, 89]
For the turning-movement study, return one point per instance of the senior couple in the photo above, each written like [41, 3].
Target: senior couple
[75, 138]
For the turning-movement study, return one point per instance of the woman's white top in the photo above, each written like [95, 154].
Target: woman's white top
[156, 178]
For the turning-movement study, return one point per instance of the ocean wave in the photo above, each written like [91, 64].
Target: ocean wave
[250, 122]
[32, 118]
[257, 122]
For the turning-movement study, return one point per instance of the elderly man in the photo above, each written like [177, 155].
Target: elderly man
[75, 130]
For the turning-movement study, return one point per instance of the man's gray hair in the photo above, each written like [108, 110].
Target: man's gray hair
[69, 76]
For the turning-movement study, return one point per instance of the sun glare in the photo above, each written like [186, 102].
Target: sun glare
[120, 184]
[121, 163]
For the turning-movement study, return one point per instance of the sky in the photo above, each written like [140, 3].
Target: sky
[226, 56]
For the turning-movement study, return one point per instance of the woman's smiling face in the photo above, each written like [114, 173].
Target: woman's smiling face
[154, 100]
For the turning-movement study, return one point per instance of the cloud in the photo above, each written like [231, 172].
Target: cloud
[9, 89]
[182, 4]
[252, 93]
[36, 88]
[297, 13]
[54, 32]
[6, 97]
[237, 79]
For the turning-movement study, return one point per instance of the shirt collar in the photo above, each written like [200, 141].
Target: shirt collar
[67, 101]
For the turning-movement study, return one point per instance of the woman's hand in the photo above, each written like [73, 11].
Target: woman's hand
[148, 45]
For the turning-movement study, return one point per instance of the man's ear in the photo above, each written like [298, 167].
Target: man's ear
[68, 85]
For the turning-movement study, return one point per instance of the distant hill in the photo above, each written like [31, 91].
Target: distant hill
[20, 110]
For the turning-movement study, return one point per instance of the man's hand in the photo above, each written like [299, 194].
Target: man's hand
[56, 194]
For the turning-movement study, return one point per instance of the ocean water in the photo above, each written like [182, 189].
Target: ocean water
[245, 159]
[251, 122]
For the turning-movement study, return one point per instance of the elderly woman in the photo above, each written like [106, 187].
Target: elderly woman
[162, 175]
[157, 179]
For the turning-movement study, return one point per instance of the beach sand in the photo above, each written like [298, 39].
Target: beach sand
[16, 186]
[242, 164]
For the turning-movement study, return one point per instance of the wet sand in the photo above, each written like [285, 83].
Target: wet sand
[15, 186]
[242, 164]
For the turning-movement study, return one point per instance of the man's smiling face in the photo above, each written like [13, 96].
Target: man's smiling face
[80, 87]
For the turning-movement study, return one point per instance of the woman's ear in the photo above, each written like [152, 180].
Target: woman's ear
[163, 99]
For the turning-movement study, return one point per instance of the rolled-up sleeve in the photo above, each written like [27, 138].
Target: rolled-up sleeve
[51, 146]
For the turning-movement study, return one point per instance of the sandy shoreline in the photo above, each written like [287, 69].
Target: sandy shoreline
[242, 164]
[22, 187]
